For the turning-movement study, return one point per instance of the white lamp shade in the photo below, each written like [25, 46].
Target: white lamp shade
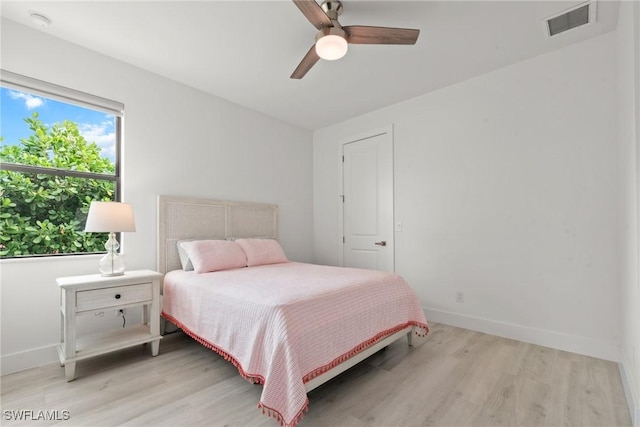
[105, 217]
[331, 47]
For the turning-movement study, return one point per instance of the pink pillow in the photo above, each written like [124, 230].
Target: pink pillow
[262, 251]
[214, 255]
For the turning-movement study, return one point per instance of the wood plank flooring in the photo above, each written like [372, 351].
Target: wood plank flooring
[454, 377]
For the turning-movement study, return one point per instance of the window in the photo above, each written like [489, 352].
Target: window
[59, 150]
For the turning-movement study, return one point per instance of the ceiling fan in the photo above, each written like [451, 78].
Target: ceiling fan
[332, 38]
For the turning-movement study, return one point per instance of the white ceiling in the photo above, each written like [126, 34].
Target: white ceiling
[245, 51]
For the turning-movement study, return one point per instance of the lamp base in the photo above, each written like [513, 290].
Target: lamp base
[112, 264]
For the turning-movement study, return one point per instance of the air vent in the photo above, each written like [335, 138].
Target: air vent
[575, 17]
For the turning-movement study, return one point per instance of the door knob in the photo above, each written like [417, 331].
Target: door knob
[382, 243]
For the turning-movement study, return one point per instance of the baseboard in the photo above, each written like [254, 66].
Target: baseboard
[630, 387]
[41, 356]
[16, 362]
[557, 340]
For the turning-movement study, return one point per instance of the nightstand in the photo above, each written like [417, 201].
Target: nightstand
[95, 294]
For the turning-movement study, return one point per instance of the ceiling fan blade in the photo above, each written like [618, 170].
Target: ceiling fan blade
[307, 62]
[314, 13]
[360, 34]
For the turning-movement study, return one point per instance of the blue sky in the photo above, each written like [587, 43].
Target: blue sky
[15, 106]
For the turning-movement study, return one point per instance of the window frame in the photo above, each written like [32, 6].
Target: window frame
[67, 95]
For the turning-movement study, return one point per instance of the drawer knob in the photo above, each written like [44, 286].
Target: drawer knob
[118, 296]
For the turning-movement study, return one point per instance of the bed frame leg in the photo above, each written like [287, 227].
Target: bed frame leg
[410, 337]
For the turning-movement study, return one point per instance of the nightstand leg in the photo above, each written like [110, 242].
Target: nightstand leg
[69, 334]
[154, 320]
[61, 328]
[70, 370]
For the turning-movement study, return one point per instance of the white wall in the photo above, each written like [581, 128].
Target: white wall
[178, 141]
[507, 188]
[628, 69]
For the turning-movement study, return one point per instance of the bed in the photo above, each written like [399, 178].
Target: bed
[289, 326]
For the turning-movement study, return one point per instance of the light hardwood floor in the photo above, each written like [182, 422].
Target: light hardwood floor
[455, 377]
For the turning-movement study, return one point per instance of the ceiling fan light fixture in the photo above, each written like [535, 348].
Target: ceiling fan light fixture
[331, 44]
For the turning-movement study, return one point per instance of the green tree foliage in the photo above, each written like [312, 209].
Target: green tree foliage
[42, 213]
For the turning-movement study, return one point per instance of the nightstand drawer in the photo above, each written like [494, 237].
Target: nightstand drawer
[109, 297]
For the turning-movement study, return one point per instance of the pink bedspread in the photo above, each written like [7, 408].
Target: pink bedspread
[284, 324]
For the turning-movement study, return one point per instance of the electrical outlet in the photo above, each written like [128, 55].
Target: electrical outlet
[459, 296]
[120, 312]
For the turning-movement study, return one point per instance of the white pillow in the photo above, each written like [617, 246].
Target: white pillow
[184, 257]
[214, 255]
[262, 251]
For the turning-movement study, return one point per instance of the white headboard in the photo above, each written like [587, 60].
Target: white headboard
[182, 218]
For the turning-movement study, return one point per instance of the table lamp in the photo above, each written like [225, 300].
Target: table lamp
[110, 217]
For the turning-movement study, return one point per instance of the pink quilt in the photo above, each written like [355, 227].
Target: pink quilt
[284, 324]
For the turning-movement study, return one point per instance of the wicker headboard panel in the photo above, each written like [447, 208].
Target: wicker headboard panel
[182, 218]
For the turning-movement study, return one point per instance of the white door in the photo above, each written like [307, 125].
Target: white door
[367, 174]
